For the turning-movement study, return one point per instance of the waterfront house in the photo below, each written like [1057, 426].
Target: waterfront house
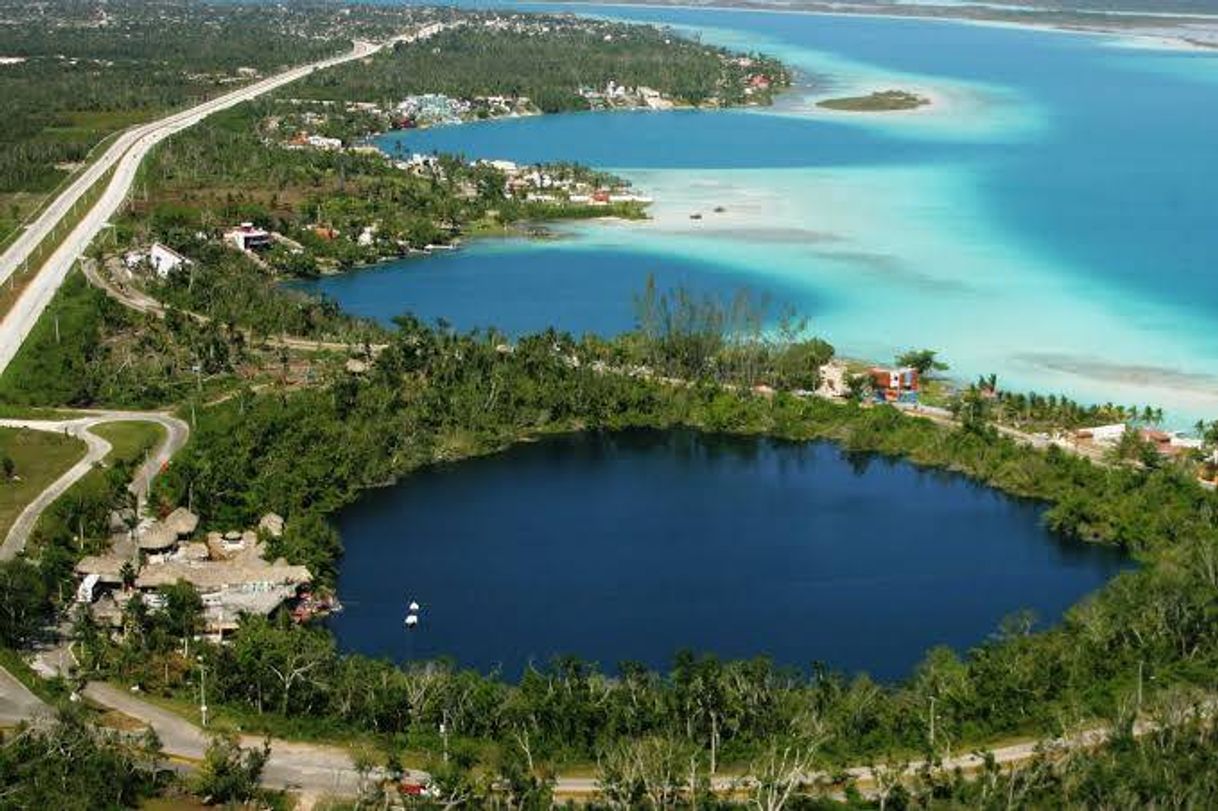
[1103, 434]
[248, 238]
[231, 572]
[895, 385]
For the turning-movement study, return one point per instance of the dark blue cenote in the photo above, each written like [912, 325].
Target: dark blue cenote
[631, 546]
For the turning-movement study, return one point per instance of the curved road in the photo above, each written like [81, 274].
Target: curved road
[124, 156]
[318, 768]
[176, 434]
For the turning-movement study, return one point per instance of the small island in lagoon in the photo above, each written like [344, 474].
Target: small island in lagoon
[881, 101]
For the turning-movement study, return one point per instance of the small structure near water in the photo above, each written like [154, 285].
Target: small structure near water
[230, 571]
[895, 385]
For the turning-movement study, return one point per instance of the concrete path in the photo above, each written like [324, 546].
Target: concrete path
[313, 768]
[316, 769]
[17, 703]
[176, 434]
[141, 302]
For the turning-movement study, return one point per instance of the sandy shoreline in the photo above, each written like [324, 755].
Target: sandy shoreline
[1132, 35]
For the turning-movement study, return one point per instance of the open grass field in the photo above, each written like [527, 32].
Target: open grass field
[131, 440]
[39, 458]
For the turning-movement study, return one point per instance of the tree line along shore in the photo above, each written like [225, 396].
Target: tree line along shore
[302, 432]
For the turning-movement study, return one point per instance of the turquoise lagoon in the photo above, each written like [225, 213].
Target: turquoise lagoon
[1051, 218]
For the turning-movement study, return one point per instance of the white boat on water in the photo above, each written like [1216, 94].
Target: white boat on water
[412, 620]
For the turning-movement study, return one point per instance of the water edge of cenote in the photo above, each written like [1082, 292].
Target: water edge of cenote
[631, 546]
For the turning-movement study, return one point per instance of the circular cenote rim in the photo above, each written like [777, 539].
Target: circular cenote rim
[629, 546]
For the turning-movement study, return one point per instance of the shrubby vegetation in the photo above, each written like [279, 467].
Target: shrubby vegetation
[89, 349]
[225, 171]
[73, 766]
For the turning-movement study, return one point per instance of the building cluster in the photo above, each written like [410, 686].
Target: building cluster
[230, 571]
[537, 183]
[1166, 443]
[614, 95]
[429, 109]
[434, 109]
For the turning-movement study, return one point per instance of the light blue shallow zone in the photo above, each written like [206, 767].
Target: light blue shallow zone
[1054, 222]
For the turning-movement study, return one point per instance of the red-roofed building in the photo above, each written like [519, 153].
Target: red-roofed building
[895, 385]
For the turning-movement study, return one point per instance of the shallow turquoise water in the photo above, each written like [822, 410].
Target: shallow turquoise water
[1051, 219]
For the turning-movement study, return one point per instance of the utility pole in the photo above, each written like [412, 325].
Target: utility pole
[932, 723]
[202, 690]
[444, 734]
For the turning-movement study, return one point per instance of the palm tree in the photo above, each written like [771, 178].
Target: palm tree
[127, 574]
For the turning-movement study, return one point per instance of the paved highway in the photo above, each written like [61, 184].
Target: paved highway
[124, 156]
[176, 434]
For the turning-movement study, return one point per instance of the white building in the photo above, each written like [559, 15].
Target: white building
[322, 142]
[1104, 434]
[248, 238]
[165, 259]
[161, 259]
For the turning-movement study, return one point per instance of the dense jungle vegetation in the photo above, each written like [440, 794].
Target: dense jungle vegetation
[549, 60]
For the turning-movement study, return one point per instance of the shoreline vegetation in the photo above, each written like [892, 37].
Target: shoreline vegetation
[303, 431]
[879, 101]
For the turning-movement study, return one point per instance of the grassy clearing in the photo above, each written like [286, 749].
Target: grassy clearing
[20, 207]
[132, 440]
[39, 458]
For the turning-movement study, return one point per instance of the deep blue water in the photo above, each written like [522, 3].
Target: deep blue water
[572, 290]
[632, 546]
